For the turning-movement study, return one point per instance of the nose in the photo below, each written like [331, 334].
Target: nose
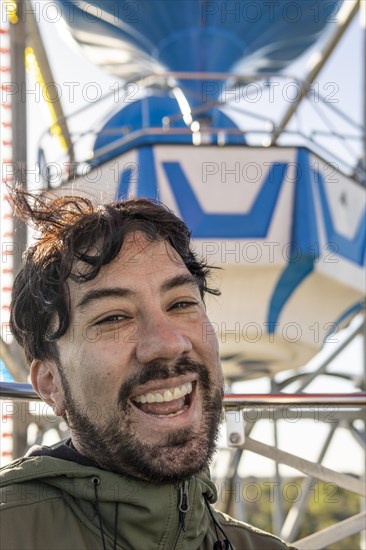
[159, 338]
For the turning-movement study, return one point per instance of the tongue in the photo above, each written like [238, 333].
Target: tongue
[168, 407]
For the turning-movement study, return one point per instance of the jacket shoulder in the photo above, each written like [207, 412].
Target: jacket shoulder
[243, 535]
[37, 516]
[18, 487]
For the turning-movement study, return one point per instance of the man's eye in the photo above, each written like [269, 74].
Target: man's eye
[184, 304]
[111, 319]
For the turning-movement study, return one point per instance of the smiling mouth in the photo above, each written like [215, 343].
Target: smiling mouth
[166, 402]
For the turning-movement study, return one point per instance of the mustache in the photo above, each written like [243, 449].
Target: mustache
[158, 371]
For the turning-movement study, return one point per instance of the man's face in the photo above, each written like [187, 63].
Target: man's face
[140, 366]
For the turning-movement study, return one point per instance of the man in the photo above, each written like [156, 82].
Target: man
[109, 309]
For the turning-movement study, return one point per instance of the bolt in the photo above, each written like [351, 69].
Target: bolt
[234, 437]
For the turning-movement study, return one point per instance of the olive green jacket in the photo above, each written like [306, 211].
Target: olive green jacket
[54, 504]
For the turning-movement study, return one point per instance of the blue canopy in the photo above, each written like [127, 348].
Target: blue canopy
[135, 39]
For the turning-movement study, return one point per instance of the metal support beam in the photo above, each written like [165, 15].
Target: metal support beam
[11, 390]
[306, 466]
[296, 513]
[36, 41]
[363, 27]
[278, 512]
[18, 37]
[349, 9]
[319, 363]
[332, 534]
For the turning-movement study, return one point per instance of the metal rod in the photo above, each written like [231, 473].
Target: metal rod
[333, 534]
[18, 36]
[126, 140]
[309, 468]
[12, 390]
[36, 40]
[296, 399]
[295, 516]
[323, 58]
[319, 364]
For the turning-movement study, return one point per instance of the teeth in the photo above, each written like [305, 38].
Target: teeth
[181, 411]
[165, 395]
[177, 394]
[168, 395]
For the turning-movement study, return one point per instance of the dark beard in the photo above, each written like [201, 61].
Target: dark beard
[117, 448]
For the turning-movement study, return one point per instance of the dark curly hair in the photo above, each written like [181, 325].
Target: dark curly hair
[72, 229]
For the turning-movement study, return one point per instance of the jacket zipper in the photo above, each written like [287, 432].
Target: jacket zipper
[184, 506]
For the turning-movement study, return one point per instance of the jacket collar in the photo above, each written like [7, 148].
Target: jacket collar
[146, 512]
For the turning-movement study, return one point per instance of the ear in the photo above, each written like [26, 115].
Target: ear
[47, 383]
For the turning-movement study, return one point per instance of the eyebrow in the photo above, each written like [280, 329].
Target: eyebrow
[99, 294]
[118, 292]
[186, 279]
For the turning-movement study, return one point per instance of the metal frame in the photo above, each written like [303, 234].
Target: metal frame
[344, 410]
[14, 391]
[322, 57]
[271, 134]
[355, 403]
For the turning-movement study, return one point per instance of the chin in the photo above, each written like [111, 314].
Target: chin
[180, 458]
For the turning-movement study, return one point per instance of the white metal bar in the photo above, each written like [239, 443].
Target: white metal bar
[295, 400]
[306, 466]
[332, 534]
[296, 513]
[13, 390]
[319, 362]
[321, 57]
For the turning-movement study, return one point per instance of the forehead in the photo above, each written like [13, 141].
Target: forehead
[140, 263]
[141, 255]
[138, 248]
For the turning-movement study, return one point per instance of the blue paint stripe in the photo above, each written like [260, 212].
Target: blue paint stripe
[254, 224]
[304, 236]
[291, 277]
[147, 183]
[124, 184]
[353, 249]
[304, 232]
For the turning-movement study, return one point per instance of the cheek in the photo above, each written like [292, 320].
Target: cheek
[208, 346]
[209, 337]
[79, 372]
[100, 371]
[216, 361]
